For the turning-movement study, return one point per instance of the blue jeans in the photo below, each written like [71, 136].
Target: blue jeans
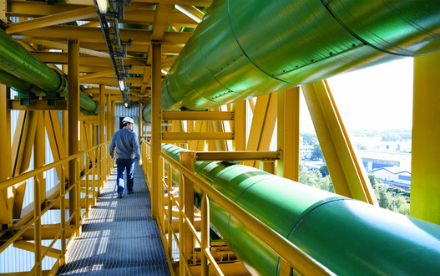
[122, 165]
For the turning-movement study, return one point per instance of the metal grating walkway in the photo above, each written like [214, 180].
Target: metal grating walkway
[119, 237]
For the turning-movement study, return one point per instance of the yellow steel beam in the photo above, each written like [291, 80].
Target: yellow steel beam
[197, 136]
[218, 126]
[197, 115]
[239, 130]
[212, 145]
[112, 116]
[146, 79]
[37, 105]
[257, 125]
[35, 9]
[425, 188]
[22, 152]
[96, 91]
[269, 123]
[87, 136]
[141, 122]
[146, 17]
[90, 119]
[95, 34]
[230, 268]
[62, 58]
[186, 199]
[263, 124]
[102, 114]
[194, 127]
[163, 11]
[200, 144]
[51, 20]
[191, 12]
[156, 127]
[5, 155]
[237, 155]
[48, 232]
[107, 73]
[23, 141]
[112, 81]
[56, 137]
[28, 246]
[73, 105]
[40, 153]
[204, 3]
[252, 102]
[348, 174]
[288, 133]
[63, 46]
[3, 8]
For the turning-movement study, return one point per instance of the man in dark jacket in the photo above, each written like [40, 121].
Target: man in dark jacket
[127, 148]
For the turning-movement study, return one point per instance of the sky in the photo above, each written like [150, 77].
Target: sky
[377, 97]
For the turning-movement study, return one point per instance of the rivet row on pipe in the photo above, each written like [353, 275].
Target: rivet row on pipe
[243, 49]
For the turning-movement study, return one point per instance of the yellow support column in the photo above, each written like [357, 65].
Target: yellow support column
[109, 127]
[239, 130]
[187, 160]
[218, 126]
[263, 125]
[288, 133]
[140, 123]
[56, 138]
[156, 127]
[103, 152]
[73, 108]
[5, 154]
[425, 175]
[348, 175]
[21, 153]
[40, 152]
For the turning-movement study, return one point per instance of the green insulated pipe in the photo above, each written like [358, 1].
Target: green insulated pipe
[347, 236]
[15, 60]
[19, 85]
[243, 49]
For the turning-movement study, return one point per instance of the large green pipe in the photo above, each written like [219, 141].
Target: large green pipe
[347, 236]
[243, 49]
[18, 84]
[31, 74]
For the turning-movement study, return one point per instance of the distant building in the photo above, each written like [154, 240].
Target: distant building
[305, 151]
[312, 165]
[394, 176]
[374, 160]
[376, 144]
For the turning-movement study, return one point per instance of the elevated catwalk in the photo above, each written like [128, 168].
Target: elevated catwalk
[119, 237]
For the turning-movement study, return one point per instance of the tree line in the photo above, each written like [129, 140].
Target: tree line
[391, 198]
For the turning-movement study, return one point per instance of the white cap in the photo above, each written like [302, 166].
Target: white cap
[128, 120]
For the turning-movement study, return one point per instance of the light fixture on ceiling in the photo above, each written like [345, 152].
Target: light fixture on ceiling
[188, 13]
[102, 6]
[122, 85]
[126, 104]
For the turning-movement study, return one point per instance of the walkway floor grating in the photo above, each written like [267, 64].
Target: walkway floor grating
[119, 237]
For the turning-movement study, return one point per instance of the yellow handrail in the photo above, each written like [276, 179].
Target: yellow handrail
[96, 156]
[289, 253]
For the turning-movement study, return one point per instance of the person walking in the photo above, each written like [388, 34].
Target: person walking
[127, 148]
